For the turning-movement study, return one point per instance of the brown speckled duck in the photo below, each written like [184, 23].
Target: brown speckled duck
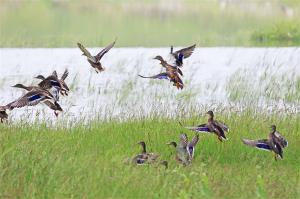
[172, 73]
[144, 157]
[95, 60]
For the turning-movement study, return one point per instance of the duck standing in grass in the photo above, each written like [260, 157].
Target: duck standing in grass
[185, 150]
[172, 73]
[275, 143]
[144, 157]
[181, 54]
[3, 114]
[53, 106]
[95, 60]
[212, 126]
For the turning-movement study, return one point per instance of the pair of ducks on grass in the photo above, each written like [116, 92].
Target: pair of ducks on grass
[173, 72]
[275, 142]
[46, 92]
[185, 150]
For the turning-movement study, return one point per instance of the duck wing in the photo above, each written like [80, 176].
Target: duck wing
[158, 76]
[260, 144]
[31, 98]
[65, 75]
[105, 50]
[183, 140]
[54, 73]
[86, 52]
[201, 128]
[54, 106]
[280, 140]
[191, 146]
[50, 82]
[222, 125]
[184, 53]
[62, 80]
[182, 153]
[179, 71]
[194, 141]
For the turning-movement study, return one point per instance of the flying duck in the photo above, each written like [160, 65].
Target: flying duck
[54, 106]
[31, 98]
[95, 60]
[170, 74]
[275, 143]
[212, 126]
[181, 54]
[65, 89]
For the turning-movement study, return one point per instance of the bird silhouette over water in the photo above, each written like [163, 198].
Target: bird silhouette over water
[95, 60]
[171, 74]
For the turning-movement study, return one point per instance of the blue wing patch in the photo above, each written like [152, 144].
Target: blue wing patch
[263, 146]
[163, 76]
[206, 129]
[180, 57]
[34, 97]
[191, 149]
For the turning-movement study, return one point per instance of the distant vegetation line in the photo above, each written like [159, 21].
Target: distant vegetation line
[150, 23]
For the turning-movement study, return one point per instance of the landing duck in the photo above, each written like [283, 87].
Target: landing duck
[275, 143]
[212, 126]
[32, 98]
[171, 74]
[53, 106]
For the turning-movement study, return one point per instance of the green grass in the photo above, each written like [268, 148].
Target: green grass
[87, 161]
[45, 23]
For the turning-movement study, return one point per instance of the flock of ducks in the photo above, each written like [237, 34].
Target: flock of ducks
[49, 89]
[185, 150]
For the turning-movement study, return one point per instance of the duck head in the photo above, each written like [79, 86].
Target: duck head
[19, 86]
[164, 163]
[172, 144]
[143, 144]
[273, 128]
[210, 114]
[158, 57]
[41, 77]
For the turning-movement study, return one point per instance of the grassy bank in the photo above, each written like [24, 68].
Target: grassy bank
[149, 23]
[87, 161]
